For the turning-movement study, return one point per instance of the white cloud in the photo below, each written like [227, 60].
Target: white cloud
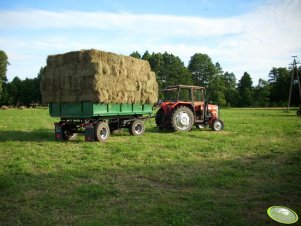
[254, 42]
[138, 23]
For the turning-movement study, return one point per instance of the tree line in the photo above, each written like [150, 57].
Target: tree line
[222, 87]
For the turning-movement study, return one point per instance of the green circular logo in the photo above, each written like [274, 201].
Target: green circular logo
[282, 214]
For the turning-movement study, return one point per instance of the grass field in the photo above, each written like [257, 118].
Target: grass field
[195, 178]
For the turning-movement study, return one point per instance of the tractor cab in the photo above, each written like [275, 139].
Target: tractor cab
[184, 106]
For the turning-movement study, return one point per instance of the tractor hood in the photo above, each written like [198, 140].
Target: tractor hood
[213, 109]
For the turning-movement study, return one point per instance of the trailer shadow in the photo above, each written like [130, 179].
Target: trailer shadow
[88, 195]
[25, 136]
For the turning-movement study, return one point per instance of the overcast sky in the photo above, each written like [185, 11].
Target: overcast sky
[242, 35]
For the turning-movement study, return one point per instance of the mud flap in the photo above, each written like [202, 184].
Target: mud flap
[89, 133]
[58, 132]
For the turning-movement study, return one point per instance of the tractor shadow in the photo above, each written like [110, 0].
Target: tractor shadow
[157, 130]
[26, 136]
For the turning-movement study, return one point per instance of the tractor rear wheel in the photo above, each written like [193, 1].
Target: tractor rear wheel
[182, 119]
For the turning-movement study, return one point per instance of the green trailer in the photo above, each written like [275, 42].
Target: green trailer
[98, 120]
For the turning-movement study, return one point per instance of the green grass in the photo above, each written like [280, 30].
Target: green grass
[195, 178]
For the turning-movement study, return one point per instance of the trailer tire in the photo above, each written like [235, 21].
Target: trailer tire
[102, 131]
[217, 125]
[137, 128]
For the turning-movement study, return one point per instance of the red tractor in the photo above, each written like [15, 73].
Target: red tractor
[185, 106]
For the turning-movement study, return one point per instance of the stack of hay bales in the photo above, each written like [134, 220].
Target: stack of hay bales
[98, 76]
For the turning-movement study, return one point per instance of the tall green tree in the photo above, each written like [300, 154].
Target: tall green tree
[206, 73]
[146, 55]
[169, 69]
[279, 80]
[15, 91]
[136, 54]
[262, 94]
[23, 92]
[11, 92]
[201, 68]
[4, 97]
[37, 90]
[3, 68]
[231, 92]
[245, 90]
[176, 71]
[157, 65]
[216, 87]
[27, 92]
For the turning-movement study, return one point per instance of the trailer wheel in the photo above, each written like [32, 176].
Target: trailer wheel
[102, 131]
[137, 128]
[217, 125]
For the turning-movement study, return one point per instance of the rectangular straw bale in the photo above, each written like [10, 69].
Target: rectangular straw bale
[98, 76]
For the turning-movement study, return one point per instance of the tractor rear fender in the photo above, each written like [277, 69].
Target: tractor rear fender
[180, 104]
[170, 106]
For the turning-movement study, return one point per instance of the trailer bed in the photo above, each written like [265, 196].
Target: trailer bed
[83, 110]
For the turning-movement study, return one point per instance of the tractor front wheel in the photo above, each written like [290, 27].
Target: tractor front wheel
[217, 125]
[182, 119]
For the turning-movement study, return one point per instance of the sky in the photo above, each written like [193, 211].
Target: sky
[242, 35]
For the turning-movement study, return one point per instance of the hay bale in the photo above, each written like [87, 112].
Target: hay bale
[98, 76]
[4, 107]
